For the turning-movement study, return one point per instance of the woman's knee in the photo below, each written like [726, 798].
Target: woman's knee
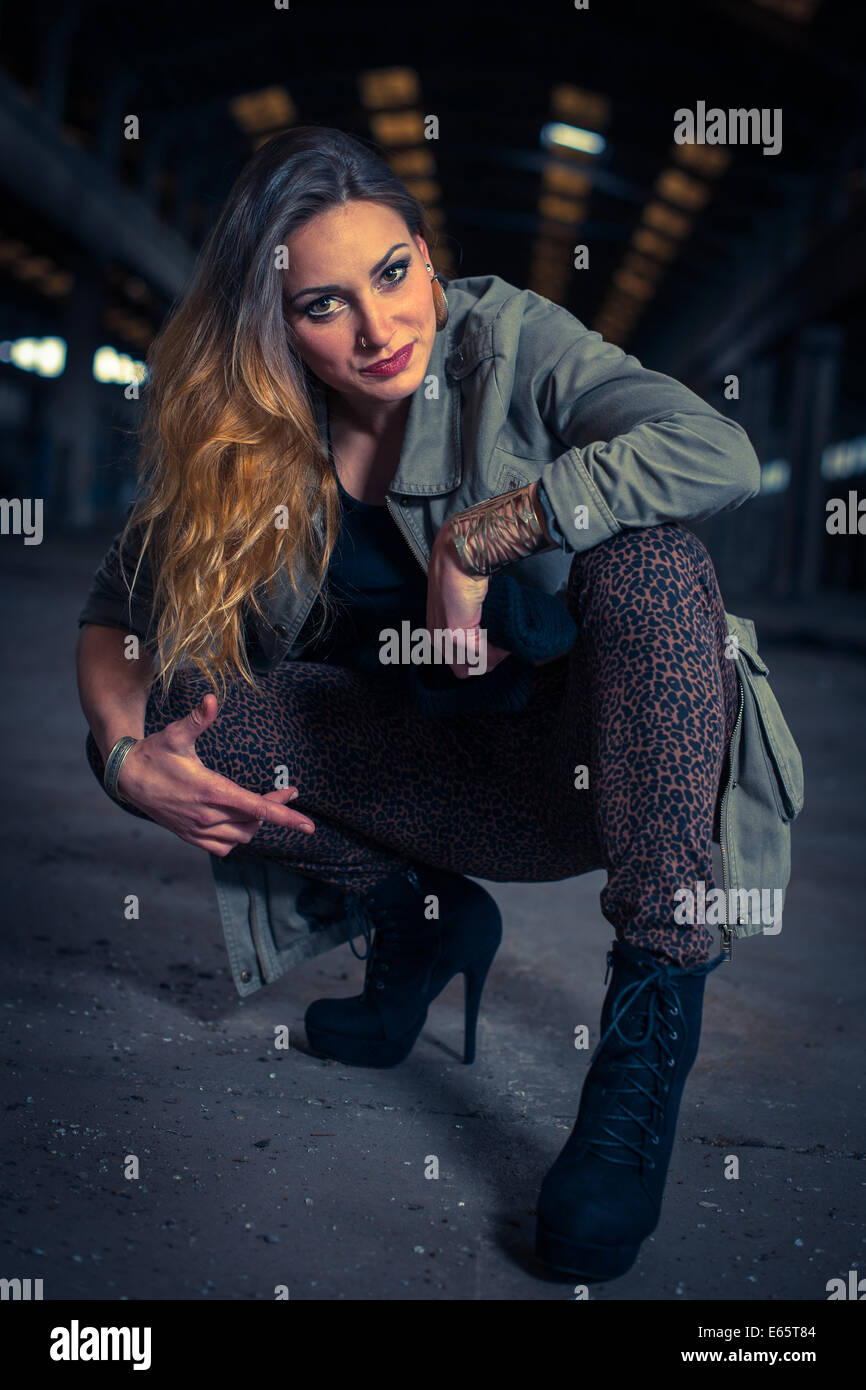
[636, 546]
[641, 569]
[186, 690]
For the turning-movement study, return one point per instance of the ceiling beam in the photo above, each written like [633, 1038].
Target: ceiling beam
[79, 195]
[831, 271]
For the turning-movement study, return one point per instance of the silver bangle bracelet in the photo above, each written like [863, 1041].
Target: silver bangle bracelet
[113, 764]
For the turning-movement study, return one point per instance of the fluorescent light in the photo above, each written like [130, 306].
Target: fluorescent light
[775, 476]
[111, 365]
[845, 459]
[44, 356]
[573, 137]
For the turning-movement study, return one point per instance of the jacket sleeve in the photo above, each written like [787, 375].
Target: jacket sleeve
[640, 447]
[108, 603]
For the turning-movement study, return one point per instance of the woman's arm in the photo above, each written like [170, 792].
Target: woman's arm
[112, 689]
[455, 597]
[164, 777]
[640, 447]
[109, 602]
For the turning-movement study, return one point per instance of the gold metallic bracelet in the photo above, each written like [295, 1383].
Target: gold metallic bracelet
[498, 531]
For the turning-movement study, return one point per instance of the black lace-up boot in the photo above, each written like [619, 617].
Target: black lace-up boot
[603, 1195]
[410, 960]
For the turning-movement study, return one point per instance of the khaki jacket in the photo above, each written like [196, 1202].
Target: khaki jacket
[518, 389]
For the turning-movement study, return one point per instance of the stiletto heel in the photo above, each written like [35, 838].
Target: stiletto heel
[473, 981]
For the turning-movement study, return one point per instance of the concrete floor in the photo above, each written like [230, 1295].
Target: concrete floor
[261, 1168]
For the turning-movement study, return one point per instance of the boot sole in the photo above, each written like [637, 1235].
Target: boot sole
[597, 1262]
[385, 1052]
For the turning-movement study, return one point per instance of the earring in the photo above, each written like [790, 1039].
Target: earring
[363, 342]
[439, 300]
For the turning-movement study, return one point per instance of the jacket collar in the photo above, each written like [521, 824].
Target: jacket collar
[431, 458]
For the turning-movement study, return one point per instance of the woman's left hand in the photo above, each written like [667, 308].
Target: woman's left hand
[454, 600]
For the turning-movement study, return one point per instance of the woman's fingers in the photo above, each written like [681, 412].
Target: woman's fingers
[454, 601]
[214, 846]
[171, 784]
[221, 833]
[493, 656]
[180, 735]
[231, 803]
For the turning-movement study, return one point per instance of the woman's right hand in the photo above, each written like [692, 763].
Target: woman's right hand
[163, 776]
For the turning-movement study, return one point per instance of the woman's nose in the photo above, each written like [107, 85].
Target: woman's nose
[374, 324]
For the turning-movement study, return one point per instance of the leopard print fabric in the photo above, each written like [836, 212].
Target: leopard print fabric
[646, 701]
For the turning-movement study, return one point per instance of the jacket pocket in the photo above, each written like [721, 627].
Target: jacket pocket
[507, 471]
[780, 750]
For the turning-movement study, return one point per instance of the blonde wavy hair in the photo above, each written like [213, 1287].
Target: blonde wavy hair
[229, 436]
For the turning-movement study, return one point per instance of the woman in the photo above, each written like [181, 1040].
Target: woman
[312, 425]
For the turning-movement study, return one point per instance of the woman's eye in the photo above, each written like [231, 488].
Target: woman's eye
[312, 304]
[398, 265]
[402, 266]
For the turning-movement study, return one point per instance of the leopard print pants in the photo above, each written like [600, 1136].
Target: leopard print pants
[645, 701]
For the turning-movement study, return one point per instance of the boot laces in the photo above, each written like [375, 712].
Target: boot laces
[393, 941]
[358, 917]
[657, 991]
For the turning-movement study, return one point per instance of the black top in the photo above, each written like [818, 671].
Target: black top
[374, 582]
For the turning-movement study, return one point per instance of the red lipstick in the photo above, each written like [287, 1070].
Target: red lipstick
[391, 365]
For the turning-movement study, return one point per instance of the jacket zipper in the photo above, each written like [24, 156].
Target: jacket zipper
[726, 928]
[406, 534]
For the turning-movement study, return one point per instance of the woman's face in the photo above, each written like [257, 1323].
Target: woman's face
[355, 271]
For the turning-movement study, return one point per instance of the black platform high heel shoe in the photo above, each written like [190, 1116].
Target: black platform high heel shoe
[410, 960]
